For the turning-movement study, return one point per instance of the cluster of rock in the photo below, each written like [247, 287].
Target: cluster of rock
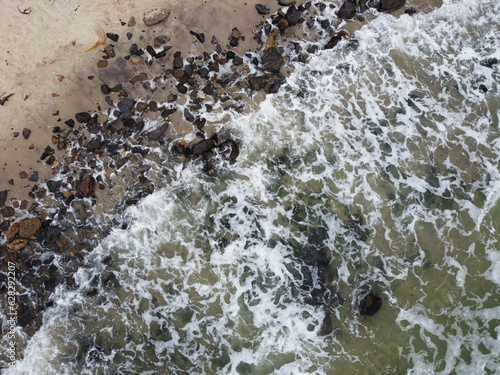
[60, 225]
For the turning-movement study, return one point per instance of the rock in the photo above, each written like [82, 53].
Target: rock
[203, 146]
[7, 211]
[369, 304]
[12, 231]
[54, 186]
[199, 36]
[489, 62]
[51, 235]
[47, 152]
[160, 40]
[181, 88]
[139, 78]
[157, 133]
[113, 37]
[257, 83]
[188, 116]
[334, 40]
[282, 24]
[262, 9]
[155, 16]
[126, 107]
[235, 33]
[293, 15]
[208, 89]
[83, 117]
[131, 21]
[26, 133]
[29, 227]
[388, 5]
[285, 3]
[70, 122]
[3, 197]
[178, 62]
[229, 150]
[86, 186]
[105, 90]
[272, 60]
[17, 244]
[33, 177]
[347, 10]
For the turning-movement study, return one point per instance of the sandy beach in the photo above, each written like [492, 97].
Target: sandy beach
[46, 68]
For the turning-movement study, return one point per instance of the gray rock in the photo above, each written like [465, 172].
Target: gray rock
[272, 60]
[155, 16]
[347, 10]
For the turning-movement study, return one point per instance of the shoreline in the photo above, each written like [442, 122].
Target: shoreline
[66, 224]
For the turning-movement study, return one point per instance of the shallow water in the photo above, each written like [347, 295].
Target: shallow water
[376, 169]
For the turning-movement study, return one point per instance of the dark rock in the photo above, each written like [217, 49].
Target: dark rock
[171, 98]
[70, 122]
[483, 88]
[286, 3]
[151, 50]
[157, 133]
[203, 146]
[83, 117]
[188, 116]
[51, 235]
[233, 42]
[203, 73]
[238, 61]
[200, 36]
[334, 40]
[113, 37]
[126, 107]
[133, 49]
[208, 89]
[347, 10]
[262, 9]
[489, 62]
[121, 162]
[257, 83]
[213, 67]
[229, 150]
[16, 134]
[272, 60]
[7, 211]
[181, 88]
[155, 16]
[26, 133]
[293, 15]
[11, 182]
[129, 35]
[168, 112]
[86, 186]
[388, 5]
[267, 28]
[321, 6]
[54, 186]
[410, 11]
[160, 54]
[369, 304]
[105, 89]
[33, 177]
[178, 62]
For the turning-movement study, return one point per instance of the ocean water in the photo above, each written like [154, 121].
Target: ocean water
[376, 168]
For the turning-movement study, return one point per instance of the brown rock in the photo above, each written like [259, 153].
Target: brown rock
[86, 186]
[29, 227]
[7, 211]
[12, 231]
[17, 244]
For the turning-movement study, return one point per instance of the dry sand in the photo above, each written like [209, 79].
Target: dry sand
[46, 67]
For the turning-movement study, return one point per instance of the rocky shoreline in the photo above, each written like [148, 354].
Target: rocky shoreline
[111, 156]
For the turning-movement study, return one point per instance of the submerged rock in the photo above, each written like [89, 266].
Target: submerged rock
[369, 304]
